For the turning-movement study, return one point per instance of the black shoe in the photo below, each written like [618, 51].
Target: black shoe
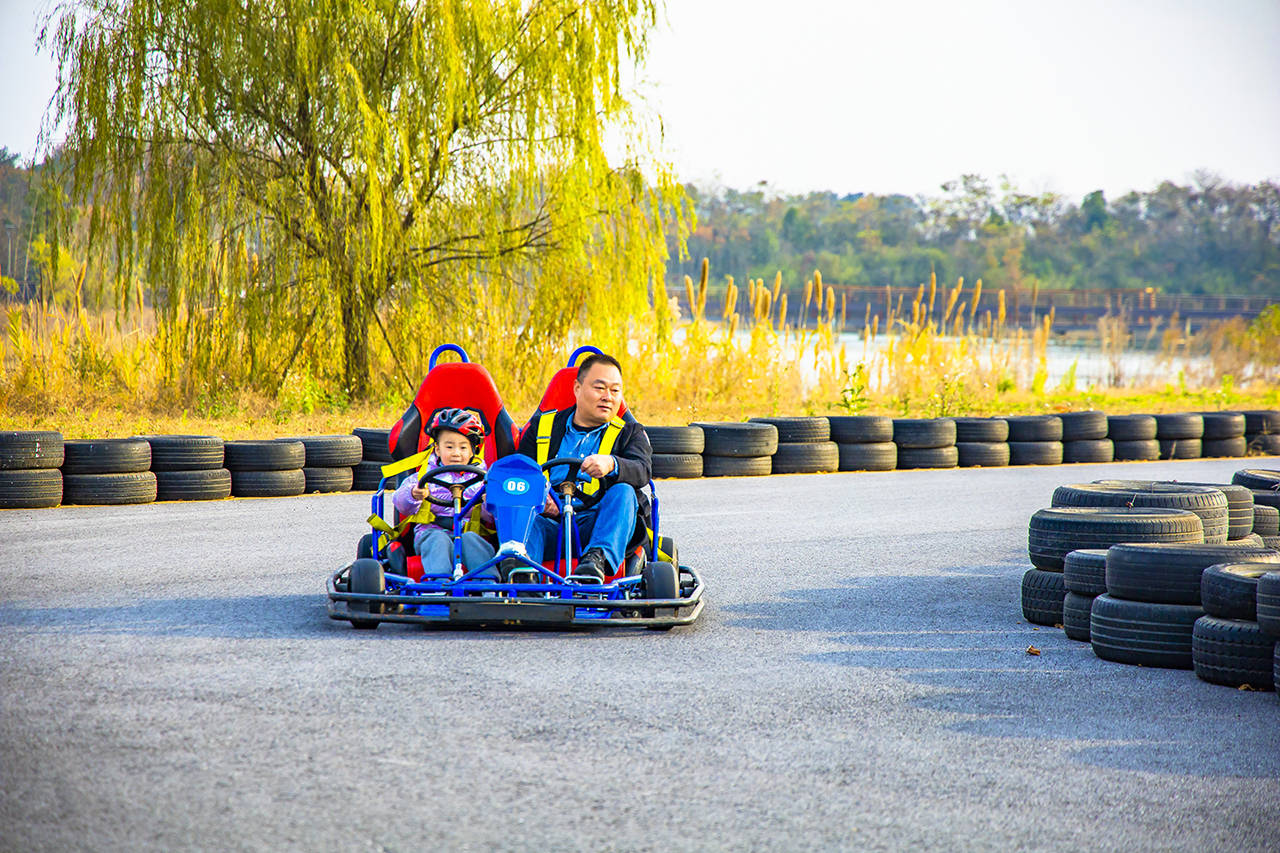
[594, 563]
[507, 566]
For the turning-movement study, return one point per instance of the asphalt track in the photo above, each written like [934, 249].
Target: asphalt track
[859, 680]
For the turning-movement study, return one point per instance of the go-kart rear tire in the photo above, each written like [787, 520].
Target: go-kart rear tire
[364, 548]
[366, 577]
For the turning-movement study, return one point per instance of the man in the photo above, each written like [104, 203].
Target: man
[616, 455]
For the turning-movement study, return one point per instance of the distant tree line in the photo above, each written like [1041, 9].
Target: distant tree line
[1210, 237]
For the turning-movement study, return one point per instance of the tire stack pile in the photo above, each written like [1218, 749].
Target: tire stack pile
[1234, 643]
[1223, 435]
[738, 449]
[328, 461]
[1035, 440]
[188, 467]
[29, 463]
[1266, 524]
[1262, 432]
[1180, 435]
[864, 442]
[1133, 437]
[677, 451]
[926, 442]
[982, 442]
[1264, 488]
[108, 471]
[804, 445]
[1084, 574]
[1084, 437]
[266, 469]
[375, 453]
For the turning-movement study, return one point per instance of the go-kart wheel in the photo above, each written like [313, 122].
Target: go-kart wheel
[666, 551]
[364, 548]
[661, 580]
[366, 577]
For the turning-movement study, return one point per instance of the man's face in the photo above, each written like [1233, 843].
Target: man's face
[598, 395]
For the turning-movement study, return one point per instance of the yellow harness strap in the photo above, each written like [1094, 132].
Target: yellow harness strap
[610, 437]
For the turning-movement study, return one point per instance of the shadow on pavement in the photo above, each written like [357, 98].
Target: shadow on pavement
[962, 633]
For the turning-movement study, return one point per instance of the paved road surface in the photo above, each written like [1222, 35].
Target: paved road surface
[859, 680]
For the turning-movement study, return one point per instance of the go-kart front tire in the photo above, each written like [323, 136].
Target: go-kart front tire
[366, 577]
[661, 580]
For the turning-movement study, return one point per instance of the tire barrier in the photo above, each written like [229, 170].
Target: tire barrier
[926, 442]
[328, 461]
[738, 449]
[1042, 597]
[29, 469]
[1266, 520]
[261, 469]
[1208, 503]
[864, 442]
[1035, 440]
[108, 471]
[189, 467]
[982, 442]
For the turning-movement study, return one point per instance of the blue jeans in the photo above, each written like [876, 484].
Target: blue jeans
[608, 526]
[435, 546]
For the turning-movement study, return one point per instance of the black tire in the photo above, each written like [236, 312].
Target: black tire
[741, 440]
[806, 457]
[1233, 652]
[868, 456]
[1230, 590]
[1181, 448]
[1169, 573]
[676, 440]
[1147, 450]
[1268, 603]
[364, 547]
[132, 487]
[797, 430]
[200, 485]
[1089, 450]
[1035, 452]
[1075, 616]
[28, 449]
[928, 457]
[1042, 595]
[1239, 501]
[1266, 520]
[33, 488]
[268, 484]
[1263, 479]
[366, 476]
[1263, 444]
[1084, 572]
[1055, 532]
[981, 430]
[106, 456]
[1035, 428]
[366, 577]
[1220, 425]
[1131, 428]
[982, 454]
[264, 455]
[1224, 448]
[327, 479]
[1261, 421]
[374, 443]
[1179, 425]
[923, 433]
[861, 429]
[1252, 540]
[667, 551]
[1272, 542]
[1084, 426]
[1265, 497]
[661, 580]
[676, 465]
[736, 466]
[1142, 633]
[1209, 503]
[329, 451]
[184, 452]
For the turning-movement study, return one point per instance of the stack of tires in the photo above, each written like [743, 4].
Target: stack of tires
[329, 461]
[1133, 437]
[1180, 435]
[1208, 502]
[1264, 489]
[1084, 437]
[738, 449]
[804, 445]
[926, 442]
[107, 471]
[1266, 524]
[1223, 435]
[1084, 574]
[266, 469]
[376, 452]
[1262, 432]
[677, 451]
[29, 463]
[188, 467]
[864, 442]
[982, 442]
[1035, 440]
[1234, 643]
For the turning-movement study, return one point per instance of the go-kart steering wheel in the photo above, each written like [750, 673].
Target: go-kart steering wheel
[435, 477]
[573, 477]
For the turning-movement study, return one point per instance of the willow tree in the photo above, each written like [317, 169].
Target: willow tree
[278, 172]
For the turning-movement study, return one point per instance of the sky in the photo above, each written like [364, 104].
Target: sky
[902, 96]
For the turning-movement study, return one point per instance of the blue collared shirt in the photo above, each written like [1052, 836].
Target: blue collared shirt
[578, 443]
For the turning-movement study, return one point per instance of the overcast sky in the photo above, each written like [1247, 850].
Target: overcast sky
[874, 96]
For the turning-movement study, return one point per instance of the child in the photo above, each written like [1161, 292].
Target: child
[457, 435]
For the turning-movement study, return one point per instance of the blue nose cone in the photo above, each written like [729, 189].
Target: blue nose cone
[515, 493]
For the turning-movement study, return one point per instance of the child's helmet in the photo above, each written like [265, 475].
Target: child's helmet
[460, 421]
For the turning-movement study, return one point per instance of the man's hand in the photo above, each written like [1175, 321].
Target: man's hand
[598, 465]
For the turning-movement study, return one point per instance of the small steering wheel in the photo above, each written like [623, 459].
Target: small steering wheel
[573, 477]
[435, 477]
